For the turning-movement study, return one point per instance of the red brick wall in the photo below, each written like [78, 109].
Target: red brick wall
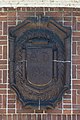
[10, 107]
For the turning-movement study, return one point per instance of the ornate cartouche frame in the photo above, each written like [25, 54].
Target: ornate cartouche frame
[40, 61]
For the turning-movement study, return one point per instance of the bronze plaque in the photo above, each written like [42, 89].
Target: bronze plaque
[40, 61]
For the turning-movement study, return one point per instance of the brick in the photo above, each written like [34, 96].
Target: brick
[28, 8]
[58, 9]
[59, 105]
[74, 25]
[12, 14]
[11, 111]
[24, 110]
[75, 61]
[67, 18]
[33, 117]
[19, 107]
[68, 13]
[76, 38]
[5, 9]
[67, 106]
[3, 38]
[75, 107]
[10, 9]
[3, 42]
[2, 111]
[78, 117]
[38, 111]
[29, 117]
[0, 25]
[25, 9]
[53, 111]
[76, 112]
[74, 48]
[3, 66]
[4, 52]
[78, 67]
[3, 13]
[9, 117]
[3, 61]
[78, 26]
[11, 23]
[67, 9]
[0, 99]
[5, 28]
[49, 116]
[2, 91]
[4, 76]
[54, 14]
[76, 57]
[11, 105]
[76, 13]
[0, 32]
[54, 117]
[76, 82]
[4, 101]
[67, 96]
[78, 99]
[2, 86]
[11, 97]
[73, 71]
[58, 117]
[66, 111]
[67, 101]
[39, 9]
[69, 117]
[76, 34]
[38, 117]
[4, 117]
[78, 91]
[64, 117]
[15, 117]
[19, 8]
[44, 117]
[0, 56]
[67, 23]
[73, 117]
[78, 74]
[23, 15]
[0, 76]
[19, 117]
[12, 19]
[3, 18]
[11, 101]
[0, 117]
[74, 96]
[78, 50]
[76, 86]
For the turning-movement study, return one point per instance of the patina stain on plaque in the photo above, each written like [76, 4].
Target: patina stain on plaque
[40, 60]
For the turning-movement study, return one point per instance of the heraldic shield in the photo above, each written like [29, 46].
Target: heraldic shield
[40, 61]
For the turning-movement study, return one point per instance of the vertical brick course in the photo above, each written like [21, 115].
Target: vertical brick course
[10, 107]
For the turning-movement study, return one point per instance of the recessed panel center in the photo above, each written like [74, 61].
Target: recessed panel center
[39, 66]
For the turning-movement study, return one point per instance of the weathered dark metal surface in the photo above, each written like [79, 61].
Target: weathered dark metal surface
[40, 60]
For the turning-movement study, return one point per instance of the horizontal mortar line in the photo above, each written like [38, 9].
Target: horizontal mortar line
[66, 103]
[60, 61]
[66, 98]
[2, 58]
